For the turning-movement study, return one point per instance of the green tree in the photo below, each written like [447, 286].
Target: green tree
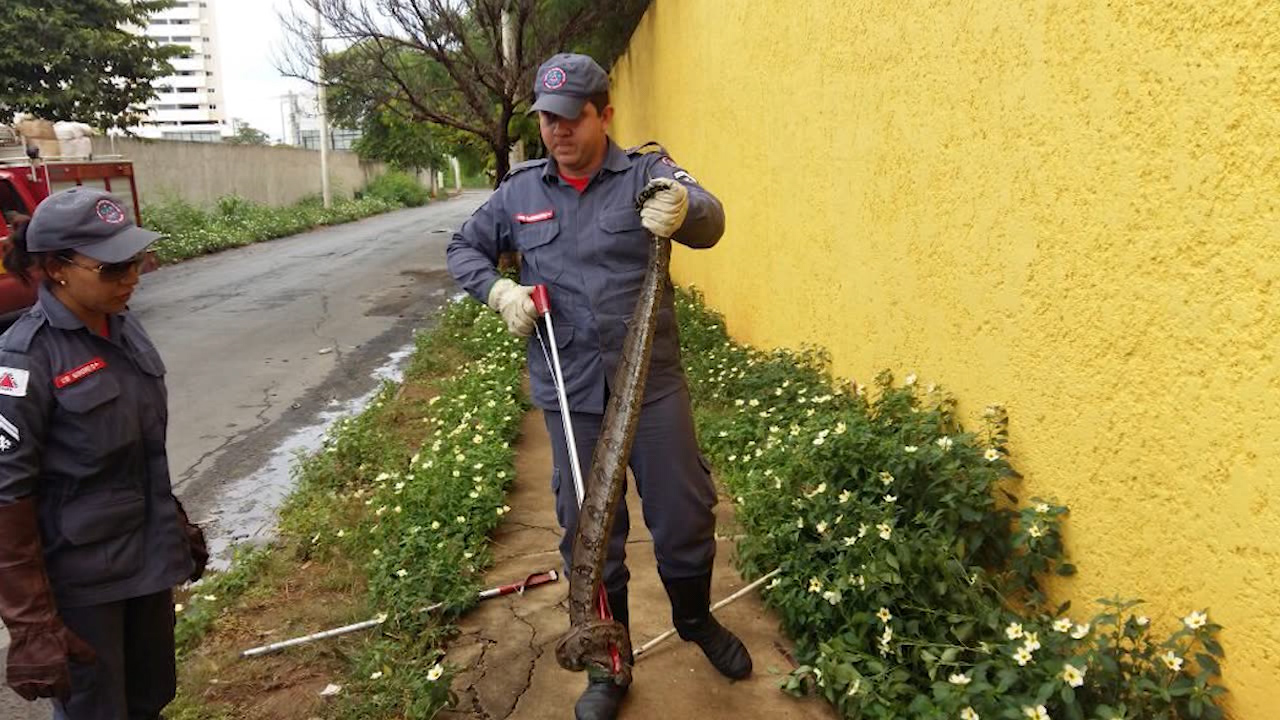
[247, 134]
[443, 61]
[79, 60]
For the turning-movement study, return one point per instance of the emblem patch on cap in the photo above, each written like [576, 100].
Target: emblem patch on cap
[554, 79]
[13, 381]
[110, 212]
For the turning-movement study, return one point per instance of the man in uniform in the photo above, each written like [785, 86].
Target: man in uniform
[572, 217]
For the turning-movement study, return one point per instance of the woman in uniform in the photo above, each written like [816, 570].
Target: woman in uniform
[92, 540]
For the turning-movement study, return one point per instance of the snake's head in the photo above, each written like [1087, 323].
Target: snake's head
[590, 645]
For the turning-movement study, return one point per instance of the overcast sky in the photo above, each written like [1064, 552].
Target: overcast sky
[249, 37]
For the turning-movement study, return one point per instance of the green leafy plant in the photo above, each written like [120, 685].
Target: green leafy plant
[912, 581]
[398, 188]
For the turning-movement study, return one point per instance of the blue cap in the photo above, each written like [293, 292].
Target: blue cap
[91, 222]
[564, 83]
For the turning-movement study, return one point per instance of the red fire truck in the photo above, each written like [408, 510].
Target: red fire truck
[26, 181]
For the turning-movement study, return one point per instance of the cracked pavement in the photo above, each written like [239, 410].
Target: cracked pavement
[260, 341]
[506, 648]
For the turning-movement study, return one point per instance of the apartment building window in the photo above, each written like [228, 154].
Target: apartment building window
[188, 107]
[188, 90]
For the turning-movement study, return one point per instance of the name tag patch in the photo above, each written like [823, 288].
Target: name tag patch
[74, 376]
[526, 218]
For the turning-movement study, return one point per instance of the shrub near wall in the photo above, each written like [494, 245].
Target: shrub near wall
[911, 574]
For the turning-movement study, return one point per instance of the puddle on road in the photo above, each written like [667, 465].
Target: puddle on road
[246, 508]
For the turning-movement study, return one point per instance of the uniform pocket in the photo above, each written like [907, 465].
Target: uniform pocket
[106, 537]
[91, 420]
[709, 494]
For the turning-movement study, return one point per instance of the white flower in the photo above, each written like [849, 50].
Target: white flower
[832, 596]
[945, 443]
[1073, 675]
[841, 428]
[890, 498]
[969, 714]
[1032, 641]
[342, 533]
[435, 672]
[910, 379]
[1062, 625]
[1014, 631]
[991, 455]
[886, 478]
[819, 440]
[461, 520]
[754, 403]
[401, 572]
[1036, 713]
[1142, 620]
[435, 525]
[800, 523]
[854, 687]
[1172, 661]
[862, 530]
[210, 598]
[959, 679]
[844, 497]
[884, 615]
[1195, 620]
[1080, 631]
[477, 439]
[821, 527]
[850, 541]
[1042, 508]
[886, 531]
[1022, 655]
[910, 448]
[376, 676]
[815, 585]
[179, 608]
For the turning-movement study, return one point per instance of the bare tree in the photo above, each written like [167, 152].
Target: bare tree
[441, 61]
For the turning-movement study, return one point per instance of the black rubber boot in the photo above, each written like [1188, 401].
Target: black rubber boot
[603, 696]
[691, 613]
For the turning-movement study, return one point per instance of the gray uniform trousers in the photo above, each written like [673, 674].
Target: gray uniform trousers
[672, 477]
[135, 675]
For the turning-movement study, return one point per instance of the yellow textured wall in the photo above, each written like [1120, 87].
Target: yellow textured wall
[1069, 208]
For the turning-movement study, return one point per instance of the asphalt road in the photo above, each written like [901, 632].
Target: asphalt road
[266, 344]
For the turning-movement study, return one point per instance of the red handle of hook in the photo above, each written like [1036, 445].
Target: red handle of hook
[541, 300]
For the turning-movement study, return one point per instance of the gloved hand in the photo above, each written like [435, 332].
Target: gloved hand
[195, 541]
[41, 646]
[38, 655]
[515, 304]
[664, 213]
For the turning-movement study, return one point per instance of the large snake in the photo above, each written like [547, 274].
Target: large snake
[590, 638]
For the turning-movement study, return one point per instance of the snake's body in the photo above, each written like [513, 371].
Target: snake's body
[590, 638]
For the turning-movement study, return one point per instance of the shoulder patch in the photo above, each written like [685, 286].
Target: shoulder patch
[644, 149]
[23, 330]
[13, 381]
[526, 165]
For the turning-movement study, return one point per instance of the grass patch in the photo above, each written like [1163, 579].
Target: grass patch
[190, 231]
[392, 515]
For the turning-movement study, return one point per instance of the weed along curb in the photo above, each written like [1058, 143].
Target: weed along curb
[391, 516]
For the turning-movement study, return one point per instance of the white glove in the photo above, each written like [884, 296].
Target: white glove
[663, 214]
[515, 304]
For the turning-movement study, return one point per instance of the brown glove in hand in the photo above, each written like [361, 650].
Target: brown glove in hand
[195, 540]
[41, 645]
[38, 659]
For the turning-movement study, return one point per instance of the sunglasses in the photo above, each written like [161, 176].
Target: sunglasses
[111, 272]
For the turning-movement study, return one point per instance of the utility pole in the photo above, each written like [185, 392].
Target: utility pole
[515, 155]
[324, 115]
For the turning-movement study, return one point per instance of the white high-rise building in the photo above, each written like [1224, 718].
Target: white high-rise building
[190, 105]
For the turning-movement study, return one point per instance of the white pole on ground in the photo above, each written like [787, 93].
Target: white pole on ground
[324, 112]
[736, 596]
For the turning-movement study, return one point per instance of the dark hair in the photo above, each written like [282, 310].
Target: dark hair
[18, 260]
[600, 100]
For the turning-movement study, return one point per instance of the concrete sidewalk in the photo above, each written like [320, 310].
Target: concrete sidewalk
[508, 644]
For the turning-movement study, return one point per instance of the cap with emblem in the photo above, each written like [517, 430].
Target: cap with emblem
[92, 222]
[564, 83]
